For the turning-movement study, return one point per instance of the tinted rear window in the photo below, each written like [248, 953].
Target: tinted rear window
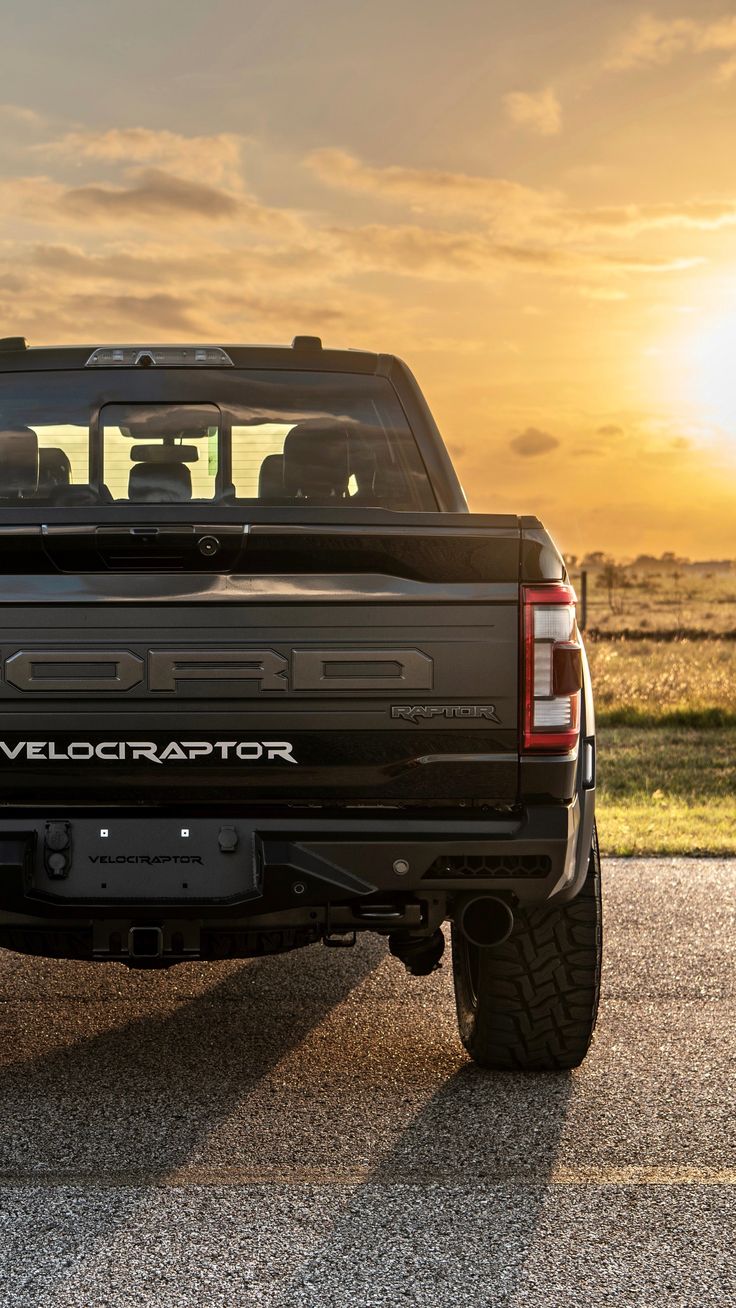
[173, 436]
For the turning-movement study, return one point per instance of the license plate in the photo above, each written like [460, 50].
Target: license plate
[153, 860]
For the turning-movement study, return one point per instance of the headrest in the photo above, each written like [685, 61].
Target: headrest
[316, 461]
[160, 483]
[164, 454]
[54, 469]
[271, 478]
[18, 461]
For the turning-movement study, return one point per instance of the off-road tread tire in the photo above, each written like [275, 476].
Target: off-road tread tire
[535, 1003]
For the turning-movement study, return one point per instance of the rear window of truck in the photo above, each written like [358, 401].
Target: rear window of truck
[278, 438]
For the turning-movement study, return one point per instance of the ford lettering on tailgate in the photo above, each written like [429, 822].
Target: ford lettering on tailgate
[249, 671]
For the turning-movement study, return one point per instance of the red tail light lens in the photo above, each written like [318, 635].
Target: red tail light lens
[553, 669]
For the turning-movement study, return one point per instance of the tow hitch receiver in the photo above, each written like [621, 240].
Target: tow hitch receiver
[339, 940]
[145, 942]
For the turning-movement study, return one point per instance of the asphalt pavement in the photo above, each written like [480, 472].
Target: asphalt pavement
[307, 1130]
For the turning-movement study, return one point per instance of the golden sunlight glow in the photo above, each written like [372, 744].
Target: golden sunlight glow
[711, 356]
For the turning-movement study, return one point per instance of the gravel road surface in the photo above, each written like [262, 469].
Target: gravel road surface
[307, 1130]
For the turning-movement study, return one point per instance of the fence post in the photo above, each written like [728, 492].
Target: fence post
[583, 619]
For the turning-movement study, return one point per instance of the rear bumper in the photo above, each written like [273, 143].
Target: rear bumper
[253, 876]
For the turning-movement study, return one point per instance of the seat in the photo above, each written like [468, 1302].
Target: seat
[271, 479]
[160, 483]
[317, 463]
[18, 463]
[54, 470]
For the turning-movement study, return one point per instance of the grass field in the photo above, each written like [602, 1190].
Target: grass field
[666, 713]
[671, 597]
[667, 790]
[650, 683]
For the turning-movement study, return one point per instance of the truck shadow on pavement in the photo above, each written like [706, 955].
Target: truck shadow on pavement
[198, 1083]
[450, 1214]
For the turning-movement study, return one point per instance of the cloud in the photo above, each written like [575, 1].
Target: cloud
[149, 196]
[185, 317]
[441, 254]
[698, 214]
[587, 452]
[653, 42]
[204, 288]
[727, 70]
[455, 255]
[430, 188]
[533, 442]
[146, 174]
[212, 160]
[528, 221]
[609, 429]
[154, 194]
[651, 264]
[196, 263]
[141, 248]
[538, 111]
[30, 198]
[169, 312]
[19, 114]
[157, 233]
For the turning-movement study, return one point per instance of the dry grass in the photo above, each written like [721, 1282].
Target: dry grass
[661, 598]
[643, 681]
[667, 711]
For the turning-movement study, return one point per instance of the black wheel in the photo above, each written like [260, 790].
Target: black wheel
[530, 1004]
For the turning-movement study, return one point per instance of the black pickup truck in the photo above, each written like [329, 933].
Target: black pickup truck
[265, 682]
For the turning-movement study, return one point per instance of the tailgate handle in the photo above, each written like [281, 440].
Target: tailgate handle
[182, 547]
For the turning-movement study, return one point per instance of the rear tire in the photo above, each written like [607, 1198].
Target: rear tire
[531, 1003]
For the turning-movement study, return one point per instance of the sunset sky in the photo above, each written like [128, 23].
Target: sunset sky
[534, 203]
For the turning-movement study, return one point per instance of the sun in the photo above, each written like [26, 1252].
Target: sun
[710, 363]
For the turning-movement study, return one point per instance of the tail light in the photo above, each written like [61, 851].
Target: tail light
[553, 669]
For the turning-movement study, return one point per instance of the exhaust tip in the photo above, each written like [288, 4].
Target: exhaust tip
[485, 921]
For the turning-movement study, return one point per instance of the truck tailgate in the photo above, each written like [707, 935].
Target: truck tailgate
[337, 667]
